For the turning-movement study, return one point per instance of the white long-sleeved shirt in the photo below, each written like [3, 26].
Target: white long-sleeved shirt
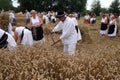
[103, 20]
[113, 22]
[11, 42]
[79, 37]
[87, 17]
[27, 39]
[69, 34]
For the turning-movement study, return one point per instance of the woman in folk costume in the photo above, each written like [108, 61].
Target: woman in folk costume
[25, 35]
[36, 26]
[79, 37]
[69, 34]
[87, 19]
[93, 19]
[112, 27]
[104, 23]
[6, 40]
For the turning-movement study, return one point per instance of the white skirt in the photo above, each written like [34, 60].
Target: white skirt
[102, 32]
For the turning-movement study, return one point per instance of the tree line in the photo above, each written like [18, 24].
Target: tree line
[56, 5]
[60, 5]
[114, 7]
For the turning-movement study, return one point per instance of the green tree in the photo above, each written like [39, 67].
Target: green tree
[5, 4]
[96, 7]
[56, 5]
[115, 7]
[104, 10]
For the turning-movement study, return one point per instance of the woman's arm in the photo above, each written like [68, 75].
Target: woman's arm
[15, 36]
[41, 21]
[30, 24]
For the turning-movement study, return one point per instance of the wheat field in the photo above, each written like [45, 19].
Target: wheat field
[96, 58]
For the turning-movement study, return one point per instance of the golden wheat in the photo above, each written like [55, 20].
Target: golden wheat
[96, 58]
[4, 21]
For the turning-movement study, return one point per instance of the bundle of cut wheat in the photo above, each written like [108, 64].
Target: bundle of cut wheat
[4, 21]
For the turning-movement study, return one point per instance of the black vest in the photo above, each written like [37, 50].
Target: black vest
[3, 41]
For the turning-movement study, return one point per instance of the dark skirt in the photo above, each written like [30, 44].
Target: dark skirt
[93, 21]
[103, 26]
[37, 33]
[111, 29]
[76, 27]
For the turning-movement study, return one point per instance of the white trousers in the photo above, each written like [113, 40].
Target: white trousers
[69, 48]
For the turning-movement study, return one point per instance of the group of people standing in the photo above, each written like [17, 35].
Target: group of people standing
[108, 25]
[49, 17]
[90, 18]
[32, 33]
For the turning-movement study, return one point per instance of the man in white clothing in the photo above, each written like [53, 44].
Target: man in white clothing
[69, 34]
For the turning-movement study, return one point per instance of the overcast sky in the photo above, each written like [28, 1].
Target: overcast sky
[104, 3]
[15, 4]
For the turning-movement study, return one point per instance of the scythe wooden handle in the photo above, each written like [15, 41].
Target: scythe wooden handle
[56, 42]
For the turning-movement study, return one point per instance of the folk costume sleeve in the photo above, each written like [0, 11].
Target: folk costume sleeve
[58, 27]
[68, 29]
